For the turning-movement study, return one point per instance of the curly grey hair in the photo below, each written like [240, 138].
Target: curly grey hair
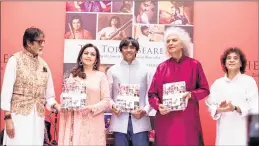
[184, 37]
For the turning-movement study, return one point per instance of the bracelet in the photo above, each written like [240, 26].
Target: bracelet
[53, 105]
[8, 117]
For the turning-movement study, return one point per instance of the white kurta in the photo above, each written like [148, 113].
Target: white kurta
[108, 31]
[134, 73]
[242, 91]
[143, 38]
[29, 130]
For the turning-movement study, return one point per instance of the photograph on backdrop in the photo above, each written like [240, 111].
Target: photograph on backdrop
[175, 12]
[114, 26]
[146, 12]
[107, 121]
[149, 33]
[75, 6]
[78, 27]
[124, 6]
[88, 6]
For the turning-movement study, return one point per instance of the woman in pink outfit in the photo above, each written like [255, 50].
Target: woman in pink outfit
[86, 127]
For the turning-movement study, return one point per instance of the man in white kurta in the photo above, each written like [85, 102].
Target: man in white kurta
[27, 87]
[232, 126]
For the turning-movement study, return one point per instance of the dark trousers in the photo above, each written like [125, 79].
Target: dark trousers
[138, 139]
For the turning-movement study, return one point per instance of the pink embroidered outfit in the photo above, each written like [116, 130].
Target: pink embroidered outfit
[76, 129]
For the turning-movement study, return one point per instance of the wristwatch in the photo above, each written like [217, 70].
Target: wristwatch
[7, 117]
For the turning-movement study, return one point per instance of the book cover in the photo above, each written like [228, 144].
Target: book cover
[173, 96]
[74, 94]
[128, 97]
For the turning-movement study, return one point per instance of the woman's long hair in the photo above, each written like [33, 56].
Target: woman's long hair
[79, 69]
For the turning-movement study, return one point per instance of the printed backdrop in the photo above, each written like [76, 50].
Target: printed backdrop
[105, 23]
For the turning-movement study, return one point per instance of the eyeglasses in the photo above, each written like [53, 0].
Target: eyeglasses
[39, 41]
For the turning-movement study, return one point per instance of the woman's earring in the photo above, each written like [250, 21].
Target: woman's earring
[81, 63]
[95, 66]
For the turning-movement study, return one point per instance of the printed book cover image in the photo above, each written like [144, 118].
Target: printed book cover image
[128, 97]
[74, 94]
[173, 96]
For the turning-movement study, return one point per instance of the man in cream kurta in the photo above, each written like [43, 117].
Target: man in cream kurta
[128, 125]
[242, 91]
[27, 87]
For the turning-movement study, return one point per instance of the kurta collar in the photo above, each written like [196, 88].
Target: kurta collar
[235, 78]
[126, 63]
[180, 60]
[26, 52]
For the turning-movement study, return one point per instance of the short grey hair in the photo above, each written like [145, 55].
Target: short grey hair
[184, 37]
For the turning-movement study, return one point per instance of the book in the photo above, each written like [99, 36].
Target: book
[173, 96]
[128, 97]
[74, 94]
